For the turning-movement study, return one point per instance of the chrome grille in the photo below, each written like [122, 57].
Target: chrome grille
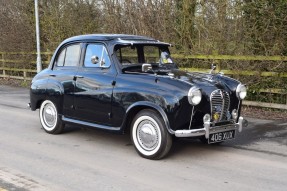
[220, 101]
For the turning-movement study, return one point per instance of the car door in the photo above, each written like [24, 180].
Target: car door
[62, 77]
[94, 85]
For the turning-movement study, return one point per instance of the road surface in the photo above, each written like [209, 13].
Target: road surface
[86, 159]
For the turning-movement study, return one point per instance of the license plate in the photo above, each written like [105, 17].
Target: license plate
[222, 136]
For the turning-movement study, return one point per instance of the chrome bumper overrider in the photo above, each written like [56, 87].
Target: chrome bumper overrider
[207, 130]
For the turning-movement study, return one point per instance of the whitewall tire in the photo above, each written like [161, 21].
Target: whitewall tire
[149, 135]
[49, 118]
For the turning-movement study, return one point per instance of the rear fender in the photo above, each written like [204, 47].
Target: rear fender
[38, 93]
[55, 93]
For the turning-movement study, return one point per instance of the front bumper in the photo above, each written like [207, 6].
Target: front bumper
[207, 130]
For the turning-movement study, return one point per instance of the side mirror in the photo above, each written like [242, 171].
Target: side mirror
[95, 59]
[146, 67]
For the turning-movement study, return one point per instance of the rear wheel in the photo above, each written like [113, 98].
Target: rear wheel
[49, 118]
[149, 135]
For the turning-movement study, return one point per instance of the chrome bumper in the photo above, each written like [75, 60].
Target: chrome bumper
[207, 130]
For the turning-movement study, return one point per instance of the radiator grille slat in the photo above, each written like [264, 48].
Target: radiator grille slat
[220, 101]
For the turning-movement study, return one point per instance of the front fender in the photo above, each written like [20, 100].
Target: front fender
[143, 105]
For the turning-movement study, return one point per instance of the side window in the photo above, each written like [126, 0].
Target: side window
[72, 55]
[96, 56]
[69, 56]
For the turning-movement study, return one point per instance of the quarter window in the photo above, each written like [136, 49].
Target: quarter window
[61, 58]
[69, 56]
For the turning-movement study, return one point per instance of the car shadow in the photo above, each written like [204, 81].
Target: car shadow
[256, 131]
[275, 131]
[93, 134]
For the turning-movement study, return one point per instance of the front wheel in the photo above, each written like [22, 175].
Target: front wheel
[49, 118]
[150, 136]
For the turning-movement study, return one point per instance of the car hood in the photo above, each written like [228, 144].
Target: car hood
[206, 82]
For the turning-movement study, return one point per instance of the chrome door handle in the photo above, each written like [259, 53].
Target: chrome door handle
[78, 76]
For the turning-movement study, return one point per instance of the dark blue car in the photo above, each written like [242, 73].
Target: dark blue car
[128, 83]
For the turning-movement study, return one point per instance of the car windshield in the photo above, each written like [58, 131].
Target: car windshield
[136, 55]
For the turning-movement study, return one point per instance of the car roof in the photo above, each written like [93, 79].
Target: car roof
[116, 39]
[109, 37]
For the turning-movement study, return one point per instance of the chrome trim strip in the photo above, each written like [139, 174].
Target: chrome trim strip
[228, 107]
[207, 130]
[223, 104]
[239, 101]
[65, 119]
[240, 124]
[190, 133]
[192, 113]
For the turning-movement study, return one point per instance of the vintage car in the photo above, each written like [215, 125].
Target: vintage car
[130, 84]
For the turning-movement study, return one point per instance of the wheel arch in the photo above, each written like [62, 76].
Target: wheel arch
[139, 106]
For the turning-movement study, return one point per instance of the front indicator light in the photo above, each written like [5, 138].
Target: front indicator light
[206, 118]
[234, 114]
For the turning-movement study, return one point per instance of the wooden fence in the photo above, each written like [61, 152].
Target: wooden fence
[27, 73]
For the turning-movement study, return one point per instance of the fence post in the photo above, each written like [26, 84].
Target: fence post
[2, 58]
[25, 74]
[3, 71]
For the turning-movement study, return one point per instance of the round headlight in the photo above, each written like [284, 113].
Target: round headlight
[241, 91]
[194, 96]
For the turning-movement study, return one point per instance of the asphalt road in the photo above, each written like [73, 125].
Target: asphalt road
[86, 159]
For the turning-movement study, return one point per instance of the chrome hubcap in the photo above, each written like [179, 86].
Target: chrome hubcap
[49, 115]
[147, 134]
